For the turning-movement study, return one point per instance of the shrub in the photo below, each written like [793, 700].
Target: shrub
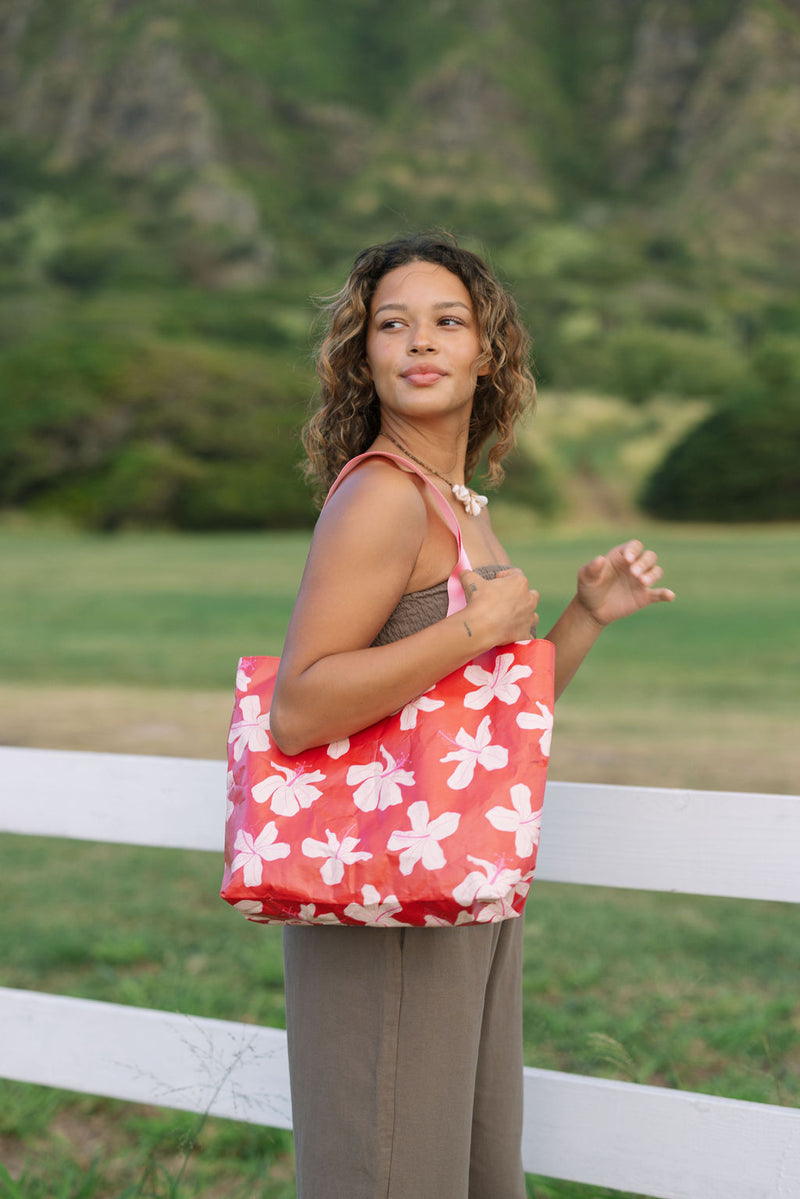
[741, 464]
[527, 482]
[84, 264]
[162, 433]
[642, 361]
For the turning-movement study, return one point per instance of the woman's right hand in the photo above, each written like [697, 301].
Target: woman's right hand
[502, 609]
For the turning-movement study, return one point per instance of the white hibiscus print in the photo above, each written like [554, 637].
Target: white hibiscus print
[290, 790]
[375, 910]
[338, 749]
[492, 912]
[242, 679]
[229, 805]
[255, 851]
[544, 721]
[253, 910]
[251, 731]
[519, 819]
[438, 922]
[474, 751]
[500, 684]
[308, 914]
[421, 841]
[504, 908]
[338, 854]
[380, 785]
[490, 885]
[408, 716]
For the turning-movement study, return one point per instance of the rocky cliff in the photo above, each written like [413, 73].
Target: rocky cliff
[253, 119]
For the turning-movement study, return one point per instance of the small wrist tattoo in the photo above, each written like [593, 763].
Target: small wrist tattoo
[469, 630]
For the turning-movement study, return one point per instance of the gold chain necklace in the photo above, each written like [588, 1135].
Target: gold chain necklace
[473, 503]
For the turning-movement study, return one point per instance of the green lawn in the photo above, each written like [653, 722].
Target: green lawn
[679, 991]
[175, 611]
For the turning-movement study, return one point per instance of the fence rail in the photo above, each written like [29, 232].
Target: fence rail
[650, 1140]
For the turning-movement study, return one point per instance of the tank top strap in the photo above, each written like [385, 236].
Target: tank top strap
[456, 599]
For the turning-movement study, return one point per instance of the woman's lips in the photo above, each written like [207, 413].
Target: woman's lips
[423, 376]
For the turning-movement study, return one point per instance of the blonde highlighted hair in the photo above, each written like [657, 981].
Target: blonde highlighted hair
[347, 418]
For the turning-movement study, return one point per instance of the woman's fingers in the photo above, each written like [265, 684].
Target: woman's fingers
[506, 602]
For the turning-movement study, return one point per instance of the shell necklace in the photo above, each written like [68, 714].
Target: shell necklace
[473, 503]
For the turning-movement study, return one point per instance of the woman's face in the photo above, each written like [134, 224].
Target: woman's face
[423, 347]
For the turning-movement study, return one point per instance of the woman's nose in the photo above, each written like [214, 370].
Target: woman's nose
[421, 342]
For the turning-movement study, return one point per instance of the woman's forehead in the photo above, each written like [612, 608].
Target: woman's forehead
[420, 281]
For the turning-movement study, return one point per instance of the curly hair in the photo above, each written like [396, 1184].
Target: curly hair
[348, 419]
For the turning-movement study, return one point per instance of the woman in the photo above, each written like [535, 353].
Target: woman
[405, 1045]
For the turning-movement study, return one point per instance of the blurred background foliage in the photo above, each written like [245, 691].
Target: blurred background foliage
[178, 179]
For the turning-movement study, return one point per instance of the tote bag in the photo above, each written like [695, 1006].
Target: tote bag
[430, 817]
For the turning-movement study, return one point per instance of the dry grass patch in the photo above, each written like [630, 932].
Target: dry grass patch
[657, 745]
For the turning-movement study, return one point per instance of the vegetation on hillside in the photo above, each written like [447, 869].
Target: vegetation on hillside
[177, 180]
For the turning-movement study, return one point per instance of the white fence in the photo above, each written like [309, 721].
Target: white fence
[650, 1140]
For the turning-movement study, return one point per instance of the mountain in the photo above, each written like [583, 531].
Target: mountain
[244, 119]
[195, 169]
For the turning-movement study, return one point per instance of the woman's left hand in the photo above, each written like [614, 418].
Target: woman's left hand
[620, 582]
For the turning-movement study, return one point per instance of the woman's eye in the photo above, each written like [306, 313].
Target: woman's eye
[391, 323]
[450, 320]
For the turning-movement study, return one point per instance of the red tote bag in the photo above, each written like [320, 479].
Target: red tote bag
[429, 817]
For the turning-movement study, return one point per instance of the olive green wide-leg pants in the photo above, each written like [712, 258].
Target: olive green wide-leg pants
[405, 1054]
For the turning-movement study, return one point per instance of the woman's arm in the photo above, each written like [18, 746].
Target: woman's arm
[610, 587]
[332, 680]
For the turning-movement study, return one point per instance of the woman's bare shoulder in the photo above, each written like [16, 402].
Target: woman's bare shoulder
[375, 496]
[362, 555]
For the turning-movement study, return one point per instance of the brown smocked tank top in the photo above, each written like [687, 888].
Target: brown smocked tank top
[418, 609]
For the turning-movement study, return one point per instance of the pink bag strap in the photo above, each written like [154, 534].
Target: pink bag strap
[456, 600]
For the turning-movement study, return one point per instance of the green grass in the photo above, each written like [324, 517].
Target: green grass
[176, 611]
[688, 992]
[667, 990]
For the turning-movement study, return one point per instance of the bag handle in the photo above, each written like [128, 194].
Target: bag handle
[456, 600]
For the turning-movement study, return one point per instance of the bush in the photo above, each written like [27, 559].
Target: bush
[642, 361]
[153, 433]
[84, 265]
[527, 482]
[741, 464]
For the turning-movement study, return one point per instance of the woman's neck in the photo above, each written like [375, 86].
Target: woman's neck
[441, 452]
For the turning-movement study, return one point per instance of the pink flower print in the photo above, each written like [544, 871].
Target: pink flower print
[544, 721]
[519, 819]
[474, 751]
[380, 785]
[290, 790]
[251, 731]
[421, 841]
[254, 851]
[408, 716]
[375, 910]
[338, 854]
[338, 749]
[488, 886]
[500, 684]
